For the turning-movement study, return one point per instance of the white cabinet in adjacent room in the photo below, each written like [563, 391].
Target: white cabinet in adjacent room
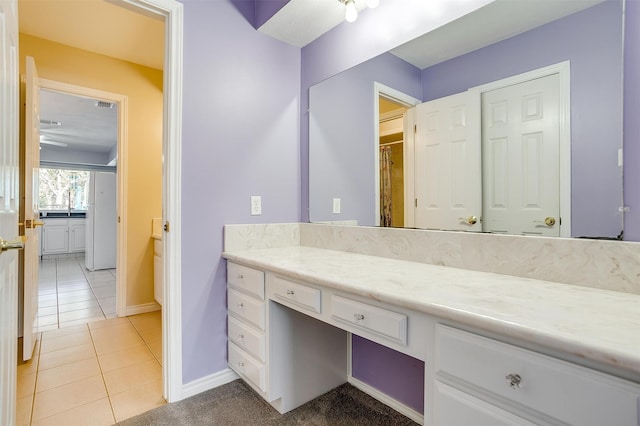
[63, 235]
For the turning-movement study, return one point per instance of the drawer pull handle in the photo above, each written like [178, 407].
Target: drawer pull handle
[240, 276]
[358, 317]
[241, 364]
[241, 336]
[241, 305]
[513, 380]
[290, 293]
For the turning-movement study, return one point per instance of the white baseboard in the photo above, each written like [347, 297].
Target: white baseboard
[387, 400]
[143, 309]
[208, 382]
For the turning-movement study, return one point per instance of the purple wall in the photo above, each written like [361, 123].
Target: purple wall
[342, 124]
[390, 372]
[265, 9]
[631, 121]
[240, 138]
[592, 41]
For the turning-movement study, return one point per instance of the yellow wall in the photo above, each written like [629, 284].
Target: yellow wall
[143, 86]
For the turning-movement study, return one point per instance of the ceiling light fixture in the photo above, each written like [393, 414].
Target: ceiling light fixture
[351, 11]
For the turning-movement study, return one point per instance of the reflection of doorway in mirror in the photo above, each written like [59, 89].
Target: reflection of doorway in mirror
[391, 131]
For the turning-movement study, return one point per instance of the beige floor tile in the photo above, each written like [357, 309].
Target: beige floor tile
[124, 358]
[137, 400]
[64, 332]
[156, 349]
[26, 384]
[65, 356]
[66, 397]
[97, 413]
[68, 373]
[28, 367]
[121, 322]
[23, 410]
[65, 341]
[123, 379]
[106, 344]
[82, 321]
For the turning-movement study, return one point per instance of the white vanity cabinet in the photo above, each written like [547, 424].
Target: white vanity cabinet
[482, 381]
[246, 324]
[288, 339]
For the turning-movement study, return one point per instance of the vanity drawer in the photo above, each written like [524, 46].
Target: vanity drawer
[246, 307]
[298, 294]
[246, 279]
[371, 318]
[247, 367]
[564, 391]
[246, 338]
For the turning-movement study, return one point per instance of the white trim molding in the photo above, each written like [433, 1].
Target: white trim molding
[142, 309]
[121, 175]
[171, 12]
[380, 89]
[208, 382]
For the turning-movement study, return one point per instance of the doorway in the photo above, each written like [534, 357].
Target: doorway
[78, 199]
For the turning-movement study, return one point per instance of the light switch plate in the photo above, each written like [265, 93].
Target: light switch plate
[256, 205]
[336, 205]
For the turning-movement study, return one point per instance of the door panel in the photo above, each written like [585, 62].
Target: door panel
[447, 164]
[520, 146]
[9, 206]
[30, 217]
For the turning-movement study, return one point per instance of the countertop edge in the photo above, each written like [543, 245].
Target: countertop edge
[623, 361]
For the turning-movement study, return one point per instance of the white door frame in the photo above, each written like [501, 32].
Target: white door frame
[171, 12]
[394, 95]
[121, 203]
[563, 69]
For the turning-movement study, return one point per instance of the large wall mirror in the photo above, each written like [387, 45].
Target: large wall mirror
[584, 37]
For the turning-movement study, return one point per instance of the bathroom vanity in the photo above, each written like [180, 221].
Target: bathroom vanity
[497, 349]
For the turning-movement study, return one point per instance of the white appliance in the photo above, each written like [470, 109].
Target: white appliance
[100, 251]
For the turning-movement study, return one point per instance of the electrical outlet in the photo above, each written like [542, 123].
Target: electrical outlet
[336, 206]
[256, 205]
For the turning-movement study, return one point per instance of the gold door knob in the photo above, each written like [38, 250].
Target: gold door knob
[37, 223]
[471, 220]
[32, 223]
[549, 221]
[11, 245]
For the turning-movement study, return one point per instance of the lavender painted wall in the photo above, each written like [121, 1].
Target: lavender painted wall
[592, 41]
[631, 121]
[391, 372]
[240, 138]
[265, 9]
[341, 125]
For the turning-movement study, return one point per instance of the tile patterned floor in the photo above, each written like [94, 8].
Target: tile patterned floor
[89, 367]
[70, 295]
[93, 374]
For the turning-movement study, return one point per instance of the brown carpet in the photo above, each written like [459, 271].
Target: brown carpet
[235, 404]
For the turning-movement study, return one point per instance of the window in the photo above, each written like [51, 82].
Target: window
[63, 189]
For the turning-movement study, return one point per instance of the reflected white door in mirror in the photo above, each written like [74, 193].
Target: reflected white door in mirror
[494, 158]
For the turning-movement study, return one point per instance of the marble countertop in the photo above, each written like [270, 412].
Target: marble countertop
[593, 324]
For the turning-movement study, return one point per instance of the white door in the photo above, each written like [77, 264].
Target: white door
[30, 218]
[9, 205]
[520, 149]
[447, 164]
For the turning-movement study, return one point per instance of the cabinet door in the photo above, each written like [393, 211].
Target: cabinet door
[77, 236]
[453, 407]
[55, 239]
